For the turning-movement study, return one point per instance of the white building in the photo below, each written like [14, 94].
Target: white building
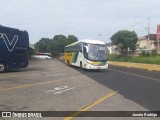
[147, 44]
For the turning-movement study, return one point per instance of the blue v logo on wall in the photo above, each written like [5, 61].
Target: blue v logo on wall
[9, 44]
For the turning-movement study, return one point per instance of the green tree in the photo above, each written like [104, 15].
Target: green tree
[125, 39]
[60, 41]
[55, 45]
[42, 45]
[71, 39]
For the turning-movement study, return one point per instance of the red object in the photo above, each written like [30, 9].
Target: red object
[39, 53]
[158, 32]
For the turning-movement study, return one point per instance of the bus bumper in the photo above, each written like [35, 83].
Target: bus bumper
[95, 67]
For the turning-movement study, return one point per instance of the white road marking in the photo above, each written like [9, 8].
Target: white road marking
[64, 90]
[60, 89]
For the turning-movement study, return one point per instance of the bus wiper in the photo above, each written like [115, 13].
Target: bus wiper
[100, 56]
[96, 55]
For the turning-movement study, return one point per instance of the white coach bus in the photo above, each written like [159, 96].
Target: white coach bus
[87, 54]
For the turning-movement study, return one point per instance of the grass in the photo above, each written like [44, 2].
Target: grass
[136, 59]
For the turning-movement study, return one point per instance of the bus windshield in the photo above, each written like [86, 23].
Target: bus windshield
[97, 52]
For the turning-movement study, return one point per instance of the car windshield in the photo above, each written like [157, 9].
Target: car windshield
[97, 52]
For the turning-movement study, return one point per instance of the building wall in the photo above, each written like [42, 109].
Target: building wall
[144, 44]
[158, 32]
[112, 49]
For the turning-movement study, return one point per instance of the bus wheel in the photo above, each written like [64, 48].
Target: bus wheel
[68, 63]
[81, 67]
[2, 67]
[98, 70]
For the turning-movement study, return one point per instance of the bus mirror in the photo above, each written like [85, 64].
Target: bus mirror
[86, 49]
[107, 50]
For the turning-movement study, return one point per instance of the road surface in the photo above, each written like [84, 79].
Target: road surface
[50, 85]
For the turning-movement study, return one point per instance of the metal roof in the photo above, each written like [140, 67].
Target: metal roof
[31, 46]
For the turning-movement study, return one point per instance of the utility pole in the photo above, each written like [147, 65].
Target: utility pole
[148, 28]
[158, 32]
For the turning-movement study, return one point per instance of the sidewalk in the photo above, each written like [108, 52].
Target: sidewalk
[150, 67]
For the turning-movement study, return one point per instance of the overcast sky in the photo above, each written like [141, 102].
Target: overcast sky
[82, 18]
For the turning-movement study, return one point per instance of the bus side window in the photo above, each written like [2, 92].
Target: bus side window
[85, 52]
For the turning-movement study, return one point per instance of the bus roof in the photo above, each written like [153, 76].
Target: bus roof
[90, 41]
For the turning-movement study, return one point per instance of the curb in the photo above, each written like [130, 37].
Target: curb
[150, 67]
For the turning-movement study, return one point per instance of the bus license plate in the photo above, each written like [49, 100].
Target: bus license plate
[98, 67]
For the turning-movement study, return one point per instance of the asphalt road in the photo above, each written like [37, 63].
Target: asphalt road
[140, 86]
[50, 85]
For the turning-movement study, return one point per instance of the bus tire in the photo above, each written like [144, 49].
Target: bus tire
[81, 66]
[98, 70]
[2, 67]
[68, 63]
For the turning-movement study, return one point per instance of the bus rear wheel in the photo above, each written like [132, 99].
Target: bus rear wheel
[2, 67]
[68, 63]
[81, 66]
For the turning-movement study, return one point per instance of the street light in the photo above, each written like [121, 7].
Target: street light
[100, 35]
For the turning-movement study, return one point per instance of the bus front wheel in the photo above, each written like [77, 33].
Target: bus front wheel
[2, 67]
[81, 66]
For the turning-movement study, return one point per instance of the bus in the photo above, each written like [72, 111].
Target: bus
[87, 54]
[14, 46]
[40, 55]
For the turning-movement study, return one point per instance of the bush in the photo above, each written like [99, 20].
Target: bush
[148, 59]
[154, 53]
[113, 57]
[145, 53]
